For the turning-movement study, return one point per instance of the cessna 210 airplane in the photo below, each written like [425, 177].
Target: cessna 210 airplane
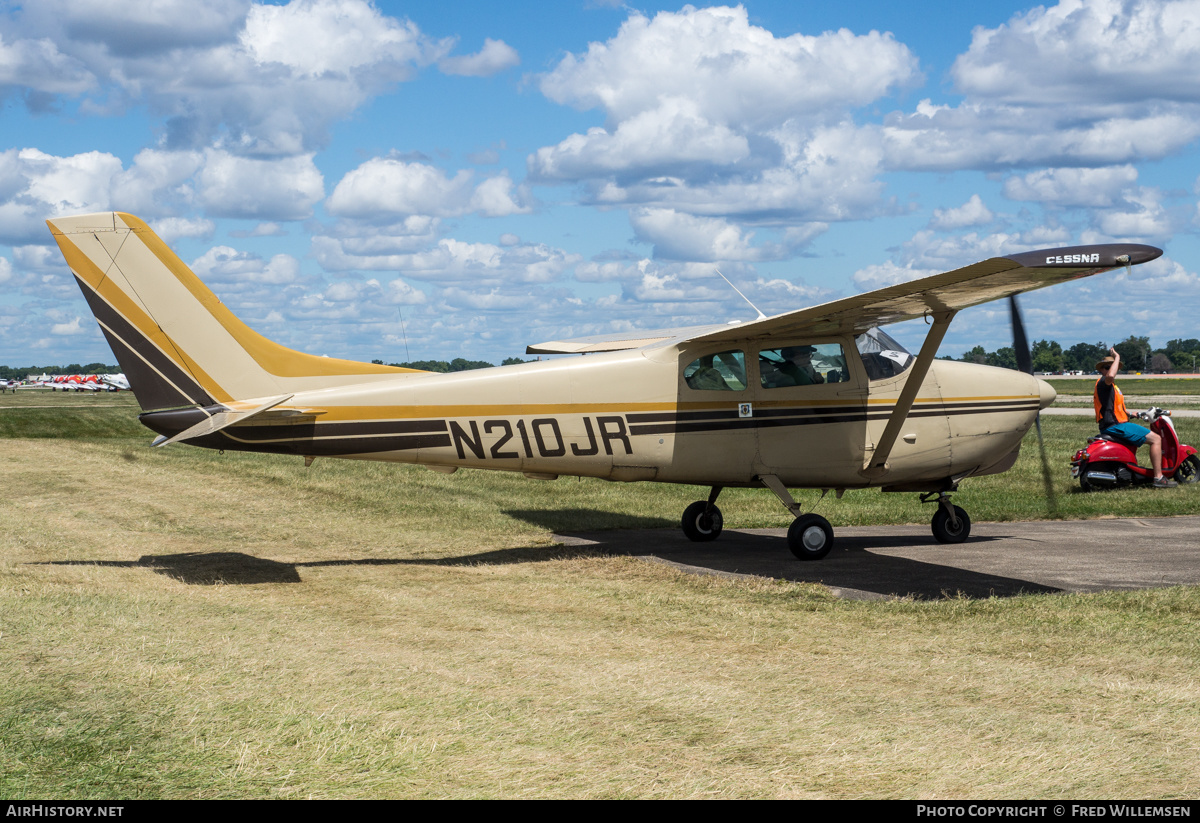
[818, 398]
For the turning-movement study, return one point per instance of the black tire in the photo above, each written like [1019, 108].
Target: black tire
[944, 530]
[810, 537]
[1084, 485]
[1188, 471]
[702, 523]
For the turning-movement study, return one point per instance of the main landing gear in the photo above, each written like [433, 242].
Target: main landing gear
[702, 519]
[810, 537]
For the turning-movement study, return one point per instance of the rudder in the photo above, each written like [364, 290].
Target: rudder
[175, 340]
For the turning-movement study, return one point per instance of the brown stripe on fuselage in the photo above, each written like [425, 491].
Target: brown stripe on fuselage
[310, 435]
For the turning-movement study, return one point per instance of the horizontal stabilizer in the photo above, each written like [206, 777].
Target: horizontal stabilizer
[222, 419]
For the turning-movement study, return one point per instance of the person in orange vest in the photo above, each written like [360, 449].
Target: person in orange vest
[1114, 420]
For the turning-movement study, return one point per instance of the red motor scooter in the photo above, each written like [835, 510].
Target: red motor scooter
[1106, 463]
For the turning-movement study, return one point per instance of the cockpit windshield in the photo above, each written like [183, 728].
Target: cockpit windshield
[882, 356]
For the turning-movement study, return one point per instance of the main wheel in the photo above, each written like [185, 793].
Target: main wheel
[701, 522]
[1188, 471]
[944, 530]
[810, 537]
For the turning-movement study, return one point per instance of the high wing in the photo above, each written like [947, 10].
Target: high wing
[951, 291]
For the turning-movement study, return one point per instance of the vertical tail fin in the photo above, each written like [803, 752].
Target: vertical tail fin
[176, 342]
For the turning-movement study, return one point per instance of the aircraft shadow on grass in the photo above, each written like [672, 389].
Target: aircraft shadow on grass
[854, 566]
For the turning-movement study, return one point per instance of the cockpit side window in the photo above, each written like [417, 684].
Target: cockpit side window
[882, 356]
[723, 371]
[802, 364]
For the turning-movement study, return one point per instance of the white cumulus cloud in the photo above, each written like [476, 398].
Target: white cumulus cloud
[254, 78]
[732, 70]
[274, 189]
[223, 264]
[1118, 50]
[385, 188]
[35, 185]
[710, 115]
[1072, 186]
[171, 229]
[971, 213]
[1084, 83]
[39, 65]
[494, 57]
[679, 236]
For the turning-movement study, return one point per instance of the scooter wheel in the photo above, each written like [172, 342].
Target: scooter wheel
[1084, 485]
[1188, 471]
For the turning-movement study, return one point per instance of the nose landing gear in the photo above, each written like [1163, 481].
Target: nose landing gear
[950, 523]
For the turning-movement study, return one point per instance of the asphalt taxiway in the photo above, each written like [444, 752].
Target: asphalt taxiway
[999, 560]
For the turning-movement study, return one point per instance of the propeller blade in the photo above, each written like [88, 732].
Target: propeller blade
[1020, 341]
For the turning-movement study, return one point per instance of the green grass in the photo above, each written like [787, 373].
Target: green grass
[179, 623]
[40, 413]
[437, 504]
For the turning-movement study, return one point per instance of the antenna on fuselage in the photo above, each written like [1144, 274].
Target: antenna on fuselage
[761, 316]
[405, 333]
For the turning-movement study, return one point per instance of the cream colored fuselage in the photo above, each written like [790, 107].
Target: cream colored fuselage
[630, 415]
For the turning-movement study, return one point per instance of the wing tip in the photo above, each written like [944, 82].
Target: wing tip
[1100, 256]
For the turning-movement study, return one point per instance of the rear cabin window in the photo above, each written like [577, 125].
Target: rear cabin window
[723, 371]
[802, 364]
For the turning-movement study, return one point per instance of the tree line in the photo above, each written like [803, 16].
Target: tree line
[1137, 355]
[445, 367]
[457, 364]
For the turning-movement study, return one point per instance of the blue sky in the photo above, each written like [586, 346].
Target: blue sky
[418, 181]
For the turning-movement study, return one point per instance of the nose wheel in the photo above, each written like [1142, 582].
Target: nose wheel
[950, 524]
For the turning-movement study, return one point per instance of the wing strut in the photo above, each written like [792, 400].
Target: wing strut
[877, 465]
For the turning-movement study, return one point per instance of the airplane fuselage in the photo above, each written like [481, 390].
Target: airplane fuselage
[632, 415]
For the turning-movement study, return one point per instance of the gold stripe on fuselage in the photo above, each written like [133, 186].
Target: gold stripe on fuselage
[332, 413]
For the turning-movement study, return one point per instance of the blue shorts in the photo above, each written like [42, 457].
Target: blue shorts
[1130, 433]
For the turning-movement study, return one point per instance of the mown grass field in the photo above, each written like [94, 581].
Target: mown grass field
[178, 623]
